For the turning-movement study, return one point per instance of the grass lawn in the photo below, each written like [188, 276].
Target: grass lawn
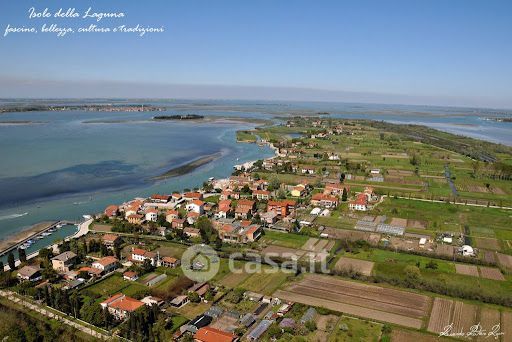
[354, 329]
[109, 286]
[290, 240]
[178, 321]
[386, 257]
[192, 310]
[263, 282]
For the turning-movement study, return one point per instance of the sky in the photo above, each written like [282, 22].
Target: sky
[437, 52]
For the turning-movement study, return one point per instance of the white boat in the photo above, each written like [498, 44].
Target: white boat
[59, 226]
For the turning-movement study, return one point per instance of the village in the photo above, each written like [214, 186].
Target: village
[398, 247]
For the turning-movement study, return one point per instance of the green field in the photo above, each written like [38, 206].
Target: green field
[115, 284]
[290, 240]
[264, 282]
[354, 329]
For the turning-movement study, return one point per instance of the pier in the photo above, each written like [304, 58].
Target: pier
[16, 244]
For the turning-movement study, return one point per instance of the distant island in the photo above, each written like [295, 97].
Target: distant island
[497, 119]
[84, 107]
[179, 117]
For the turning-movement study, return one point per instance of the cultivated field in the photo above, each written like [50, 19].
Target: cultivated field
[283, 252]
[491, 273]
[402, 335]
[463, 316]
[488, 243]
[360, 266]
[506, 326]
[505, 261]
[378, 303]
[470, 270]
[264, 282]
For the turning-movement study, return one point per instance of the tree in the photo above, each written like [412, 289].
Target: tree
[11, 261]
[344, 195]
[22, 254]
[91, 312]
[194, 297]
[1, 267]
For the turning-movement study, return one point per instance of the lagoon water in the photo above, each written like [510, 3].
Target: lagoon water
[72, 163]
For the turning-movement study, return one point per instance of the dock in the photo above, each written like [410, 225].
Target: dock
[16, 244]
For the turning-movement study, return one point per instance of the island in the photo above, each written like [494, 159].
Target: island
[179, 117]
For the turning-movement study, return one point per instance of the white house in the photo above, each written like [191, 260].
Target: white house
[196, 206]
[152, 215]
[106, 264]
[139, 255]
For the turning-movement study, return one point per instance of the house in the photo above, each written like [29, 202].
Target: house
[226, 194]
[156, 198]
[224, 209]
[208, 334]
[261, 194]
[335, 189]
[135, 218]
[111, 240]
[106, 264]
[360, 203]
[150, 301]
[111, 211]
[64, 261]
[200, 288]
[177, 223]
[93, 272]
[130, 276]
[308, 170]
[121, 306]
[298, 191]
[140, 255]
[169, 262]
[192, 232]
[179, 301]
[270, 217]
[196, 206]
[190, 196]
[162, 231]
[283, 208]
[29, 273]
[151, 215]
[237, 232]
[171, 215]
[192, 217]
[244, 208]
[324, 200]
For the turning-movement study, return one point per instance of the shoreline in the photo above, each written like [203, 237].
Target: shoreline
[17, 238]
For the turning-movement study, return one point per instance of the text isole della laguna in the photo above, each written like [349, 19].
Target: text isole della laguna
[89, 14]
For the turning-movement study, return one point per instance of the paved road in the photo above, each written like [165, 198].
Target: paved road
[82, 327]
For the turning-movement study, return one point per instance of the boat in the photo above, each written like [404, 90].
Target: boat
[59, 226]
[211, 179]
[39, 237]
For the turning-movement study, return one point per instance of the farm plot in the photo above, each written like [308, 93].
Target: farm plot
[399, 222]
[361, 266]
[506, 325]
[232, 279]
[441, 314]
[488, 319]
[265, 282]
[373, 302]
[469, 270]
[416, 224]
[488, 243]
[491, 273]
[464, 316]
[401, 335]
[505, 261]
[283, 252]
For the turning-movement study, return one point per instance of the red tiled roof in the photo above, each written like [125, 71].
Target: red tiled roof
[129, 274]
[109, 237]
[160, 197]
[198, 202]
[209, 334]
[126, 304]
[107, 261]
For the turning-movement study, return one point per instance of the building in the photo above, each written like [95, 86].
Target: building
[283, 208]
[151, 215]
[298, 191]
[324, 200]
[169, 262]
[111, 240]
[244, 208]
[196, 206]
[360, 203]
[135, 218]
[29, 273]
[192, 232]
[106, 264]
[171, 215]
[208, 334]
[270, 217]
[259, 330]
[121, 306]
[140, 255]
[64, 261]
[178, 223]
[111, 211]
[236, 232]
[224, 209]
[130, 276]
[190, 196]
[156, 198]
[261, 194]
[179, 301]
[335, 189]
